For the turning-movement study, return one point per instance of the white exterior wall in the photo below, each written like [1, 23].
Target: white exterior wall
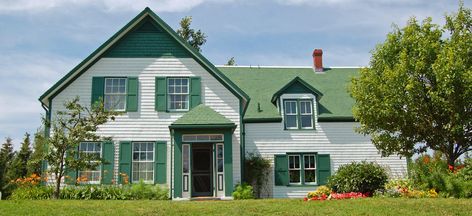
[338, 139]
[147, 124]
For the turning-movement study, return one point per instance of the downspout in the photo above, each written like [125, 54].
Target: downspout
[46, 135]
[172, 163]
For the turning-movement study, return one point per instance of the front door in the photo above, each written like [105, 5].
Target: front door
[202, 184]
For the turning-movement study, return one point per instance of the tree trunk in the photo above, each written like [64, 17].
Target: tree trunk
[58, 187]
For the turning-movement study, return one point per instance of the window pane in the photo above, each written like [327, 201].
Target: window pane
[294, 176]
[310, 176]
[291, 121]
[307, 121]
[220, 165]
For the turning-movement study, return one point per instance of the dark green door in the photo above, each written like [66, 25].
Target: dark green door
[202, 176]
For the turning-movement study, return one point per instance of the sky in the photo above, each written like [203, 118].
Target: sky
[40, 41]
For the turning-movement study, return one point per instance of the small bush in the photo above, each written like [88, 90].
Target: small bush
[243, 191]
[32, 193]
[363, 177]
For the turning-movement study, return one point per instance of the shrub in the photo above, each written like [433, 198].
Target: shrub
[363, 177]
[426, 173]
[243, 191]
[256, 171]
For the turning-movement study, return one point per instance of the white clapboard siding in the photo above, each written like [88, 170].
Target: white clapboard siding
[147, 124]
[338, 139]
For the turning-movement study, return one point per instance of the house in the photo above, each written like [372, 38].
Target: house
[187, 124]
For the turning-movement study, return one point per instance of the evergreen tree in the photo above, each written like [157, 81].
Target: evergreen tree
[6, 156]
[37, 156]
[18, 167]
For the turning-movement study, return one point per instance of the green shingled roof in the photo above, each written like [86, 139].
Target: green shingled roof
[202, 115]
[260, 83]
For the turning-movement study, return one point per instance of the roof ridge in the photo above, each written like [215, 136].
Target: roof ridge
[282, 66]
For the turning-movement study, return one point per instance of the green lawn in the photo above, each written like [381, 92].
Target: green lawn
[370, 206]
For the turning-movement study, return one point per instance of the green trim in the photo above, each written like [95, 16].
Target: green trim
[196, 126]
[262, 120]
[297, 79]
[178, 164]
[228, 163]
[337, 119]
[92, 58]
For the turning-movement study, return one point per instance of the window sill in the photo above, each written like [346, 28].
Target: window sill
[302, 185]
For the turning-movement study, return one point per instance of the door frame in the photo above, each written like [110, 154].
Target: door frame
[208, 146]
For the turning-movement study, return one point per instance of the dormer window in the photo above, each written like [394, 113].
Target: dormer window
[298, 113]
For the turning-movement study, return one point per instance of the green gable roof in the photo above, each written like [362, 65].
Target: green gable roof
[297, 85]
[202, 115]
[261, 83]
[146, 29]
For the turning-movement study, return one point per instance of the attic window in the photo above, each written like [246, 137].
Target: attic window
[298, 113]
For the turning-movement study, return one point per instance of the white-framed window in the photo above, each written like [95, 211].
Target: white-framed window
[294, 169]
[143, 162]
[309, 169]
[92, 176]
[178, 94]
[298, 114]
[291, 114]
[115, 94]
[306, 114]
[202, 138]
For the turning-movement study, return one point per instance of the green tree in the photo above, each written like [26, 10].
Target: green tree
[77, 123]
[37, 156]
[416, 93]
[196, 38]
[18, 167]
[231, 62]
[6, 156]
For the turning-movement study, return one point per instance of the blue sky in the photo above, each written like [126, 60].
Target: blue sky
[40, 41]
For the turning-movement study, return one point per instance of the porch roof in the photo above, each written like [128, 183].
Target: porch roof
[202, 116]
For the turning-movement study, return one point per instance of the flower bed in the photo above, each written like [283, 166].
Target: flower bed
[325, 193]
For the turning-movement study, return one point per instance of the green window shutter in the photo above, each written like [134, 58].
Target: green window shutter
[195, 92]
[125, 161]
[132, 95]
[72, 173]
[160, 100]
[323, 164]
[108, 159]
[281, 170]
[98, 89]
[160, 168]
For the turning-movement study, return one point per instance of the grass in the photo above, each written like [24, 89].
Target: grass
[369, 206]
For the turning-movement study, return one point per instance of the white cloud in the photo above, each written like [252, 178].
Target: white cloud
[9, 6]
[24, 77]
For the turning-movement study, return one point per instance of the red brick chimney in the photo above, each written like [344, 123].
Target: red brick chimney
[318, 60]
